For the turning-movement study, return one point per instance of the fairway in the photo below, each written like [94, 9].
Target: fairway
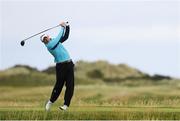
[93, 102]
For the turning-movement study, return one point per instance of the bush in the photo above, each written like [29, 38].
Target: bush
[95, 74]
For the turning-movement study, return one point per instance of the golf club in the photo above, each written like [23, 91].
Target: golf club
[23, 41]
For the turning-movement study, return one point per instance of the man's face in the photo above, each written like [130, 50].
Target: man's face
[46, 39]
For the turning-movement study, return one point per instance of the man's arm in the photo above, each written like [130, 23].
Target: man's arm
[54, 41]
[66, 34]
[61, 33]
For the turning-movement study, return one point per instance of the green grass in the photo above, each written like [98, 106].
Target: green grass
[94, 102]
[93, 112]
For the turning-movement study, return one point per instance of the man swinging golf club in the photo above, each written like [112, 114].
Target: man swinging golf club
[64, 66]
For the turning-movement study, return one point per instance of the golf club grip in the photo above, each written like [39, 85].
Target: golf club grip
[43, 31]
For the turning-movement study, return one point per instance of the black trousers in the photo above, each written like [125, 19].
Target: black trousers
[64, 75]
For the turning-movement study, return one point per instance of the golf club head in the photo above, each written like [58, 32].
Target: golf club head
[22, 43]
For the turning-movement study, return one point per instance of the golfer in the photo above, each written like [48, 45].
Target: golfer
[64, 66]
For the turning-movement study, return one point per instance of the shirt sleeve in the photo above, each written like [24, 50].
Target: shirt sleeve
[66, 34]
[54, 41]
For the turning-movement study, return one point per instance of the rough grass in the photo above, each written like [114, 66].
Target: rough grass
[94, 102]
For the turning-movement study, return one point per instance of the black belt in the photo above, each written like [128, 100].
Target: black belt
[67, 61]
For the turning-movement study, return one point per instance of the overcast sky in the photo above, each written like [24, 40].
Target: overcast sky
[144, 34]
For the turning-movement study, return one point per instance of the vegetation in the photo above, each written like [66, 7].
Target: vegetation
[99, 72]
[102, 91]
[94, 102]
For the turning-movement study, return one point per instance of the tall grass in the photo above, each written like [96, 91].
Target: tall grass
[94, 102]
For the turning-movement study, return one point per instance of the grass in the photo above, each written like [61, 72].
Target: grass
[93, 112]
[95, 102]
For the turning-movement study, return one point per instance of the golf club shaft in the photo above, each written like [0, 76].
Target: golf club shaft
[42, 32]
